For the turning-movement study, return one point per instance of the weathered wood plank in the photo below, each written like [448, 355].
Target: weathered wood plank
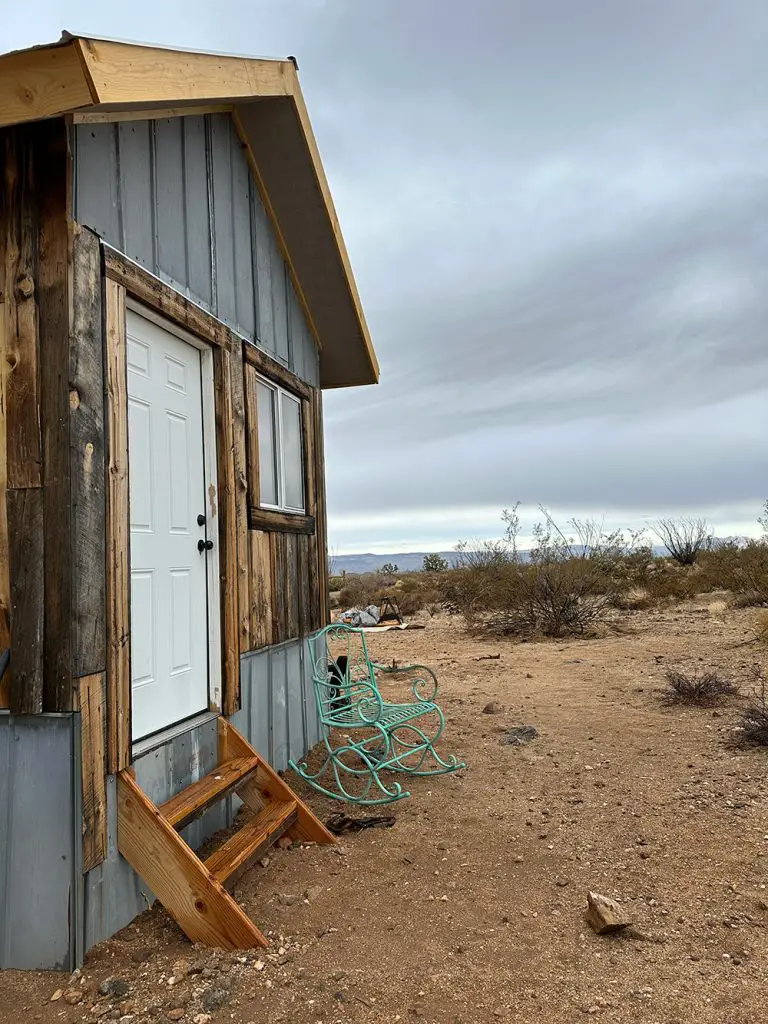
[118, 535]
[260, 589]
[202, 908]
[92, 693]
[53, 302]
[154, 293]
[312, 582]
[5, 575]
[278, 546]
[270, 521]
[291, 586]
[22, 380]
[39, 83]
[86, 453]
[227, 510]
[25, 531]
[275, 371]
[251, 433]
[241, 497]
[322, 519]
[303, 587]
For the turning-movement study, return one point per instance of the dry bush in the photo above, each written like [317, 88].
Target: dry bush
[754, 717]
[702, 688]
[683, 538]
[761, 628]
[741, 569]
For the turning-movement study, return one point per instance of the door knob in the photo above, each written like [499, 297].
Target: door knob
[201, 520]
[204, 545]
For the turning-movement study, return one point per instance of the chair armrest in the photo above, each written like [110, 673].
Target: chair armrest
[423, 681]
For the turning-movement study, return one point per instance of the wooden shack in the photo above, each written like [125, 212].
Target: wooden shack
[175, 295]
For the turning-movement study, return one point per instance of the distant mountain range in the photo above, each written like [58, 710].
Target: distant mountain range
[410, 561]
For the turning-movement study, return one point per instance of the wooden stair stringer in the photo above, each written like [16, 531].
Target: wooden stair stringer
[267, 785]
[196, 900]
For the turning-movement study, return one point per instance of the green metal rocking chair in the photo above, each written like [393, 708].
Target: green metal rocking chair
[376, 735]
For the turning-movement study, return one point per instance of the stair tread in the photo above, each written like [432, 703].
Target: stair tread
[193, 801]
[235, 853]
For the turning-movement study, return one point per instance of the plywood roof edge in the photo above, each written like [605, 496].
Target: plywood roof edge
[77, 42]
[314, 155]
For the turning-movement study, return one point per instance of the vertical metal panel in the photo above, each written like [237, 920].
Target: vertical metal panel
[297, 729]
[177, 196]
[221, 170]
[311, 719]
[198, 217]
[97, 191]
[137, 190]
[169, 192]
[37, 831]
[279, 747]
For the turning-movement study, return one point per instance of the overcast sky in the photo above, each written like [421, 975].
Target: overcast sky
[557, 214]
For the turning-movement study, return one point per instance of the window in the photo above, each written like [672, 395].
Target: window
[281, 462]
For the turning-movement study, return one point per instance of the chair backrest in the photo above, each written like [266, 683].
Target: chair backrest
[342, 673]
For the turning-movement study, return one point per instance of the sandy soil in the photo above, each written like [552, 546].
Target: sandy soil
[471, 908]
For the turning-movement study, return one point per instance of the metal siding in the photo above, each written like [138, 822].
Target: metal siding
[137, 190]
[297, 730]
[177, 196]
[198, 225]
[37, 856]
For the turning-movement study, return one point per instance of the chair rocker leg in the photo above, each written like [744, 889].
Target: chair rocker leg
[370, 789]
[412, 748]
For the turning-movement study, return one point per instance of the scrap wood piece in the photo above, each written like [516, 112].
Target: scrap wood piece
[488, 657]
[340, 823]
[604, 915]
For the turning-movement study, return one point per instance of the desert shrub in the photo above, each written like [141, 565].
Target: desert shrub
[683, 538]
[702, 688]
[336, 582]
[761, 628]
[435, 563]
[754, 718]
[361, 590]
[742, 569]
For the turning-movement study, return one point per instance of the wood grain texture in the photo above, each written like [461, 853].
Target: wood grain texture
[251, 433]
[53, 304]
[92, 697]
[310, 607]
[127, 73]
[41, 83]
[291, 586]
[270, 521]
[5, 575]
[278, 543]
[239, 454]
[118, 535]
[198, 903]
[303, 591]
[260, 589]
[87, 457]
[22, 388]
[228, 548]
[244, 848]
[268, 784]
[147, 288]
[270, 368]
[25, 531]
[193, 801]
[322, 518]
[105, 114]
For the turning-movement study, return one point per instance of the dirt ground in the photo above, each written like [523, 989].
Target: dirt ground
[471, 908]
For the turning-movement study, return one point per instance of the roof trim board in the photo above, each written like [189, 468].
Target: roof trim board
[85, 77]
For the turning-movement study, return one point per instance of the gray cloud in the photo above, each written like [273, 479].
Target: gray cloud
[558, 218]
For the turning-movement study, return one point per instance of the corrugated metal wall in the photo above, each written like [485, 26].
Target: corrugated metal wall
[278, 716]
[39, 873]
[177, 196]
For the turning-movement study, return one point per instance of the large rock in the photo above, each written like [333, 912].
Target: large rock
[604, 915]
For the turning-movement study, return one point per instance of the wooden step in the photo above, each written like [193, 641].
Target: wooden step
[195, 800]
[248, 844]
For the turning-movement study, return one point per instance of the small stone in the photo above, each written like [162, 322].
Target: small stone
[284, 843]
[57, 995]
[265, 864]
[140, 956]
[202, 1018]
[214, 998]
[287, 900]
[114, 987]
[176, 1014]
[100, 1011]
[604, 915]
[180, 968]
[443, 846]
[561, 883]
[72, 997]
[126, 1007]
[518, 859]
[492, 708]
[313, 892]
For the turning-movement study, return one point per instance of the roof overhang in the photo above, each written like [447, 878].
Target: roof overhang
[106, 80]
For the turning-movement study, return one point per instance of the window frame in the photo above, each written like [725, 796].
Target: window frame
[279, 391]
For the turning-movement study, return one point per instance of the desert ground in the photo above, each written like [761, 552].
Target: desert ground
[471, 907]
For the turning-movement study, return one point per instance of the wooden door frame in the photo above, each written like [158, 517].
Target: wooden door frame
[129, 285]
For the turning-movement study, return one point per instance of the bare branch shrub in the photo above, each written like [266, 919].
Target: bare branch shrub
[754, 717]
[704, 688]
[683, 538]
[742, 569]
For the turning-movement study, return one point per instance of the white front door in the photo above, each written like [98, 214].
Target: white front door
[169, 607]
